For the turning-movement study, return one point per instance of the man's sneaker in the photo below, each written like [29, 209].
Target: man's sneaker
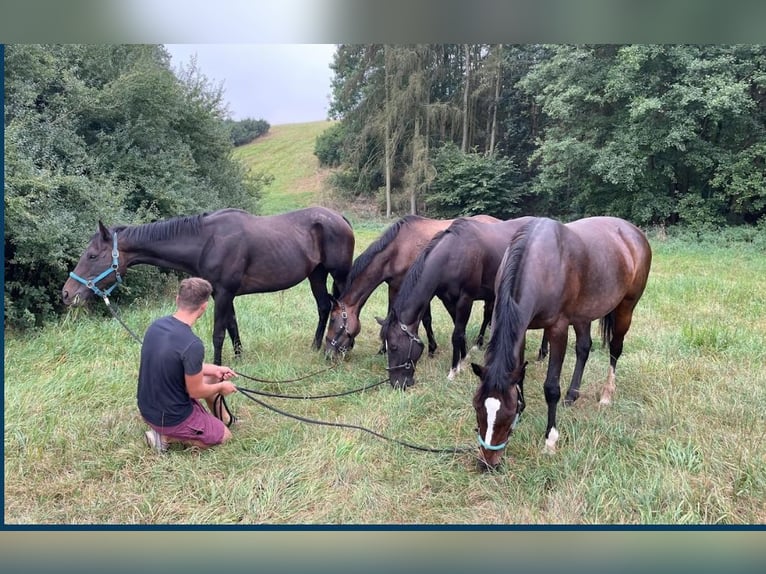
[155, 442]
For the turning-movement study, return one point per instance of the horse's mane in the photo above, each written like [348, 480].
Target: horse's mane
[506, 328]
[162, 230]
[363, 261]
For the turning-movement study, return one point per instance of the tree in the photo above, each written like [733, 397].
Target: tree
[103, 132]
[650, 133]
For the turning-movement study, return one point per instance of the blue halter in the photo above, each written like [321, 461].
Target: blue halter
[91, 284]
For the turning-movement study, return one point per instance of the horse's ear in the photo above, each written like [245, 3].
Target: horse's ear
[379, 320]
[478, 370]
[105, 234]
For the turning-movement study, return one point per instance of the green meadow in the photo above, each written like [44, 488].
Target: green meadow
[683, 443]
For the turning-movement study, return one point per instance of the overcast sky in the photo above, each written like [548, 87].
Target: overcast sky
[280, 83]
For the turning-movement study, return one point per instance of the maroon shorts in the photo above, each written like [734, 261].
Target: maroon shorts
[200, 425]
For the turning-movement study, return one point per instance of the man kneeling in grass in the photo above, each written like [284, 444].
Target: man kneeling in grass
[173, 377]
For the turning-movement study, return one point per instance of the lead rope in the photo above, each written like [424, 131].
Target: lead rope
[219, 403]
[456, 450]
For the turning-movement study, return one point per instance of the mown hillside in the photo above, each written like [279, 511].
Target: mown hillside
[286, 153]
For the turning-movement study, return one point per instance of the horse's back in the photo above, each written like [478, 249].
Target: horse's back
[253, 253]
[616, 238]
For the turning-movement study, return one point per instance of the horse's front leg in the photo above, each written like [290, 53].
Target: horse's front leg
[551, 387]
[583, 343]
[461, 316]
[429, 331]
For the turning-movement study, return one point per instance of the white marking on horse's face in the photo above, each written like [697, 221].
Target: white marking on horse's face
[492, 405]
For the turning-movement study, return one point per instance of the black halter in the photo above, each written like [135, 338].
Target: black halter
[408, 364]
[343, 328]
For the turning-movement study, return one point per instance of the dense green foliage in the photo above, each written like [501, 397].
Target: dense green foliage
[244, 131]
[105, 132]
[328, 146]
[472, 184]
[657, 134]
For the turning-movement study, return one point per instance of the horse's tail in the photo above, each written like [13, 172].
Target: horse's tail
[606, 325]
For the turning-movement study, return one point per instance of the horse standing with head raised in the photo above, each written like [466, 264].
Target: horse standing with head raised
[552, 276]
[237, 252]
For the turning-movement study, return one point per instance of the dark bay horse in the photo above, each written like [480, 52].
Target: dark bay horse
[387, 260]
[237, 252]
[458, 266]
[552, 276]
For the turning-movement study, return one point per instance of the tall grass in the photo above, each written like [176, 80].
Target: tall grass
[682, 444]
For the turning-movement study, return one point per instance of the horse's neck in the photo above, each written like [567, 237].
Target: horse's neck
[163, 254]
[364, 284]
[357, 292]
[412, 308]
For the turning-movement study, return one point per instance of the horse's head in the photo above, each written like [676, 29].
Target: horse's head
[342, 327]
[403, 349]
[498, 406]
[98, 270]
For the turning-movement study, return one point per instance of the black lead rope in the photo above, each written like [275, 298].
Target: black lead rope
[342, 394]
[456, 450]
[270, 382]
[116, 315]
[219, 403]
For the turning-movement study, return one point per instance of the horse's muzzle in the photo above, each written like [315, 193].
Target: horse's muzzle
[74, 297]
[485, 466]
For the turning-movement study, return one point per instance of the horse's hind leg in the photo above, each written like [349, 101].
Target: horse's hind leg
[583, 345]
[222, 320]
[543, 352]
[318, 282]
[233, 328]
[614, 327]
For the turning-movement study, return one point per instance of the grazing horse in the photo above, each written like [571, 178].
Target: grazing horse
[458, 266]
[237, 252]
[553, 276]
[387, 259]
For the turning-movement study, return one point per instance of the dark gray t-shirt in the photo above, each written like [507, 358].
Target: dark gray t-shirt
[170, 350]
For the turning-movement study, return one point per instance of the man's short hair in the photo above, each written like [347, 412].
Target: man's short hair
[193, 292]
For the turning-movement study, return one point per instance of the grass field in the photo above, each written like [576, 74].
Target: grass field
[683, 443]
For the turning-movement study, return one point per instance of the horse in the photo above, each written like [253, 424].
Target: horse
[552, 276]
[387, 259]
[237, 252]
[458, 266]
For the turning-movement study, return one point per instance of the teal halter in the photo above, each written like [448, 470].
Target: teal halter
[91, 284]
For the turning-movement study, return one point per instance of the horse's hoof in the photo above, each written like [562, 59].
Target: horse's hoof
[569, 401]
[550, 442]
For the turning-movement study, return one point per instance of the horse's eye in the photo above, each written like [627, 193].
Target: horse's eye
[393, 348]
[92, 256]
